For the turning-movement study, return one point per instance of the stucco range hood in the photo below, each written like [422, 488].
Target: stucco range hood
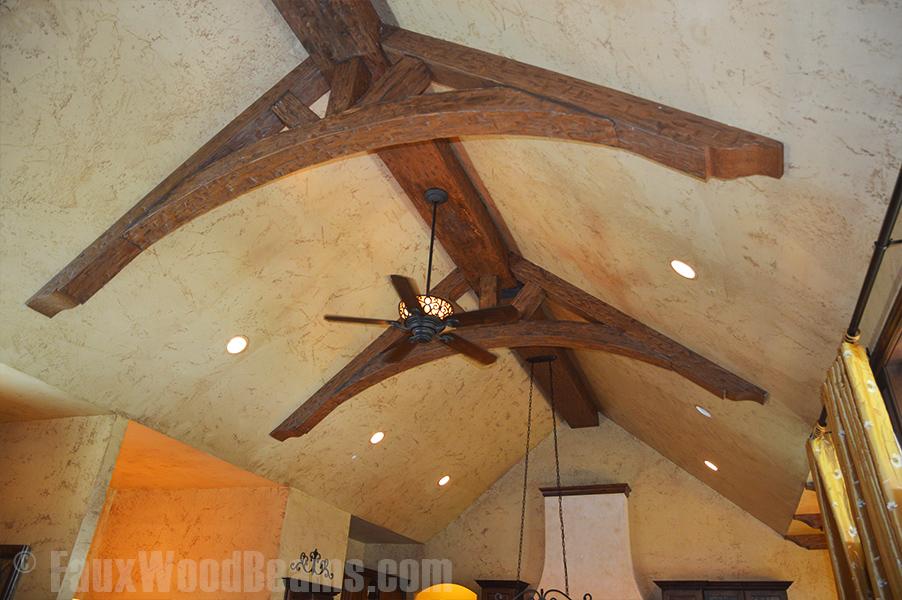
[599, 559]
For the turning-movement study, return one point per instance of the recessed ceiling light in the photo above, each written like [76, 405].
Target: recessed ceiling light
[711, 465]
[703, 411]
[444, 480]
[377, 437]
[236, 345]
[683, 269]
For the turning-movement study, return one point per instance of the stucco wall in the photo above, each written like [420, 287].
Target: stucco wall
[309, 525]
[680, 528]
[55, 476]
[195, 525]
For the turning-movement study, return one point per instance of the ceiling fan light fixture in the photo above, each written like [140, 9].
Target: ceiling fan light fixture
[431, 305]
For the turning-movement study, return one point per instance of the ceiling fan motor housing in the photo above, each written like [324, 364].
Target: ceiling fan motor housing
[424, 328]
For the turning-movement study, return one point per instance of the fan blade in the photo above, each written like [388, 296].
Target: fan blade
[398, 353]
[475, 352]
[361, 320]
[485, 316]
[407, 293]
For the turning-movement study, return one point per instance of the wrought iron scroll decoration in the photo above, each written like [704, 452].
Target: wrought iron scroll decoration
[533, 594]
[314, 564]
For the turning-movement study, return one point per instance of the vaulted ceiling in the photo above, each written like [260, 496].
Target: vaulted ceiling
[102, 101]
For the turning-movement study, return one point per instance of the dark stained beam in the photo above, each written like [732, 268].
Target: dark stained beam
[523, 334]
[410, 120]
[407, 77]
[489, 292]
[528, 300]
[463, 225]
[332, 31]
[573, 398]
[350, 82]
[188, 193]
[100, 261]
[813, 520]
[680, 140]
[687, 363]
[292, 112]
[320, 404]
[474, 240]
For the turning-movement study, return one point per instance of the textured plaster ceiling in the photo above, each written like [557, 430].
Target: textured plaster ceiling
[99, 101]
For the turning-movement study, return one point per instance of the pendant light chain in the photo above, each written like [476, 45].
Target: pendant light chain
[557, 469]
[431, 246]
[532, 367]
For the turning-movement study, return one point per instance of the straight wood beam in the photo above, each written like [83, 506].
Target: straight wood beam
[292, 112]
[528, 300]
[332, 31]
[677, 139]
[687, 363]
[463, 225]
[489, 292]
[349, 84]
[407, 77]
[109, 254]
[325, 400]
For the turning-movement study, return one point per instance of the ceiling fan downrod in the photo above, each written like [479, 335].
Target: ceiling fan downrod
[436, 196]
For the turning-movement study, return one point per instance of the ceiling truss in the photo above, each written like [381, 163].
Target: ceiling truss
[377, 75]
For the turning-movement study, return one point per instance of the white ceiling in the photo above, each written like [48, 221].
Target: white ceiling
[99, 101]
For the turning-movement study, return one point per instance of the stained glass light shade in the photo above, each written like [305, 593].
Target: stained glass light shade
[432, 305]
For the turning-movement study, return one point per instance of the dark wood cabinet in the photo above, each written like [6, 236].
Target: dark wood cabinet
[500, 589]
[376, 586]
[723, 590]
[297, 589]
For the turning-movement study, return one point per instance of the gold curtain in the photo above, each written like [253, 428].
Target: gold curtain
[859, 466]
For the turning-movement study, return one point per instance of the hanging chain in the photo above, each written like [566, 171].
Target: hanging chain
[532, 367]
[557, 470]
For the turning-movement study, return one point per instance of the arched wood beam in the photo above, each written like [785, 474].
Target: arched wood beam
[559, 334]
[493, 111]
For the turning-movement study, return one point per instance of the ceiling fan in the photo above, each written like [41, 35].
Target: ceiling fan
[426, 318]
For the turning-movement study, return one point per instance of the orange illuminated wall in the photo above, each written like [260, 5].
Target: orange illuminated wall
[214, 524]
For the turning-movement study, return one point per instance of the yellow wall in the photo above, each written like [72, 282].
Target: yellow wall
[195, 525]
[55, 474]
[680, 528]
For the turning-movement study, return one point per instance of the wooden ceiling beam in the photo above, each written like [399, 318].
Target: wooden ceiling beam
[189, 193]
[109, 254]
[332, 31]
[351, 81]
[680, 359]
[680, 140]
[323, 402]
[536, 334]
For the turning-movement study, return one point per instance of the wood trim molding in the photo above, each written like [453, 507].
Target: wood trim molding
[587, 490]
